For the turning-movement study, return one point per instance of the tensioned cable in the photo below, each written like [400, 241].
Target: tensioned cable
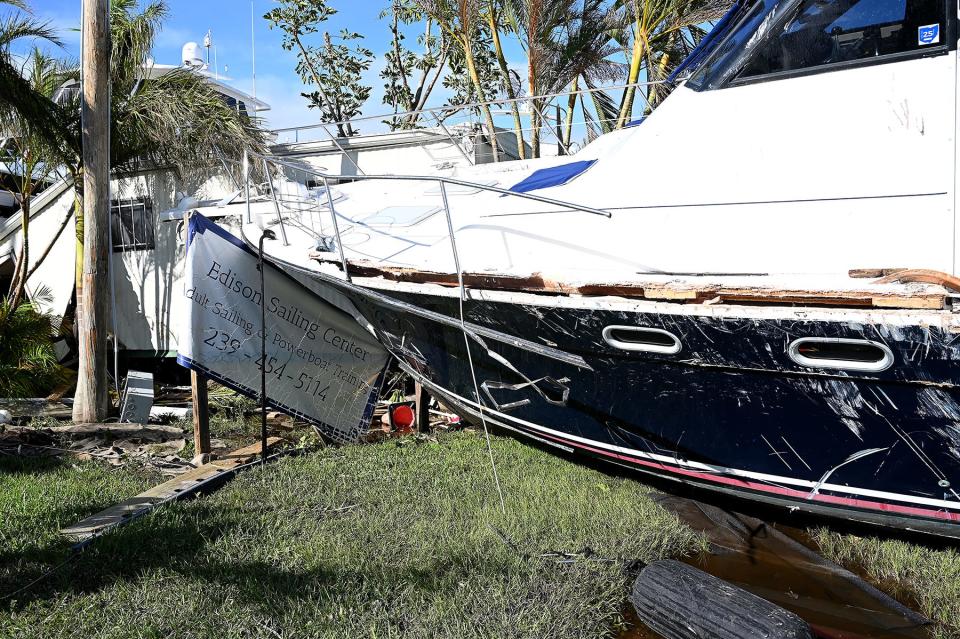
[466, 343]
[483, 420]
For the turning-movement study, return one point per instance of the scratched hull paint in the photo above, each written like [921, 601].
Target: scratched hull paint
[729, 412]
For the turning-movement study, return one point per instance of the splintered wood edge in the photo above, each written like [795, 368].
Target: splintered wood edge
[536, 283]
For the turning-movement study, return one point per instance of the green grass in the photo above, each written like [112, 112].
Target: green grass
[385, 540]
[928, 576]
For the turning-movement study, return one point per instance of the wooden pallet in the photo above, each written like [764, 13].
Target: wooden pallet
[181, 486]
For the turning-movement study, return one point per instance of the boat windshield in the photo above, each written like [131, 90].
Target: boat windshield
[776, 37]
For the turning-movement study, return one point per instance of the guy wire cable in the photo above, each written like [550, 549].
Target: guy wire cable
[466, 343]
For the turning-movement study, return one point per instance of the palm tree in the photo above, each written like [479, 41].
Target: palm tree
[34, 160]
[28, 361]
[540, 26]
[176, 120]
[494, 13]
[460, 19]
[660, 30]
[586, 56]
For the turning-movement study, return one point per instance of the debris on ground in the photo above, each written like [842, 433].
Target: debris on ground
[117, 444]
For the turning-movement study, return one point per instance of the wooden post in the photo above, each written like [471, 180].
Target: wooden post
[201, 417]
[422, 397]
[91, 402]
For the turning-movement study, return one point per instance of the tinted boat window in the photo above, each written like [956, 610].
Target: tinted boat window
[822, 33]
[731, 54]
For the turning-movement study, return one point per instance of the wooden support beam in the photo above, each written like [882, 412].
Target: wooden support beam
[201, 417]
[422, 397]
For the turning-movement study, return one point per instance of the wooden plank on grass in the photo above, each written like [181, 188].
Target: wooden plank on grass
[177, 487]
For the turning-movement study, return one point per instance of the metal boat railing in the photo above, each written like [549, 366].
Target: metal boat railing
[442, 181]
[441, 113]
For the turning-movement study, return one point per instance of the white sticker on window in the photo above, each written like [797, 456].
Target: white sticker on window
[928, 34]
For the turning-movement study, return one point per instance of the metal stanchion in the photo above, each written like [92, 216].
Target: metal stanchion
[267, 235]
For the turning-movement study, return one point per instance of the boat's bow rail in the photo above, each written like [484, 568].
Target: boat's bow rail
[289, 211]
[303, 244]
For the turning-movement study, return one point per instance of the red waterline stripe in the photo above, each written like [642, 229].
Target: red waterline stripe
[742, 483]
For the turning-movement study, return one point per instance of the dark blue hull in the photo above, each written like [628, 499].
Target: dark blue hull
[730, 411]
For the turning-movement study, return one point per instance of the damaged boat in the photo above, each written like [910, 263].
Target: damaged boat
[752, 291]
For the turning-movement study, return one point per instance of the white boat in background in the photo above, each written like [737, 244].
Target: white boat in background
[147, 212]
[716, 296]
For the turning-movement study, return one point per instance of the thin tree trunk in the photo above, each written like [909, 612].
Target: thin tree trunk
[419, 97]
[571, 105]
[316, 78]
[484, 107]
[17, 269]
[20, 280]
[507, 84]
[636, 59]
[91, 400]
[534, 115]
[425, 95]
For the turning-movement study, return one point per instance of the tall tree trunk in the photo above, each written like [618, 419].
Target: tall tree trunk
[91, 400]
[23, 264]
[78, 233]
[507, 84]
[571, 105]
[484, 107]
[636, 61]
[535, 120]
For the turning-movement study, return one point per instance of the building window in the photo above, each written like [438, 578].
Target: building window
[132, 225]
[821, 33]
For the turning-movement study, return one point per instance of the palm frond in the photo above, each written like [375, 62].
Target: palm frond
[179, 120]
[17, 26]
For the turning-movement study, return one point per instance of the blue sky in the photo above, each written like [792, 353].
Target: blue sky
[230, 23]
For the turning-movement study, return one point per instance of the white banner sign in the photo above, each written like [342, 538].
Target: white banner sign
[321, 365]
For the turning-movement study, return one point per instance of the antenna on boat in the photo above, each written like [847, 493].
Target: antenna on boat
[253, 56]
[207, 41]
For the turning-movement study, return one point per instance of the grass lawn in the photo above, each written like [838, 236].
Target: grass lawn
[402, 538]
[928, 576]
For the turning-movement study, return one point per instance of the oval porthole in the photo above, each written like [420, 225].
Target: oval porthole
[845, 354]
[640, 338]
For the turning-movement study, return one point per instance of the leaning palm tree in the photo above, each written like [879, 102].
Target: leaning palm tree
[495, 15]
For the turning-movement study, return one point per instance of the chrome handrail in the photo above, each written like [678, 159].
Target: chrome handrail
[443, 181]
[276, 204]
[460, 107]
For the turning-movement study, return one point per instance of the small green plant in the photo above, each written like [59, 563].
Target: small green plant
[28, 361]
